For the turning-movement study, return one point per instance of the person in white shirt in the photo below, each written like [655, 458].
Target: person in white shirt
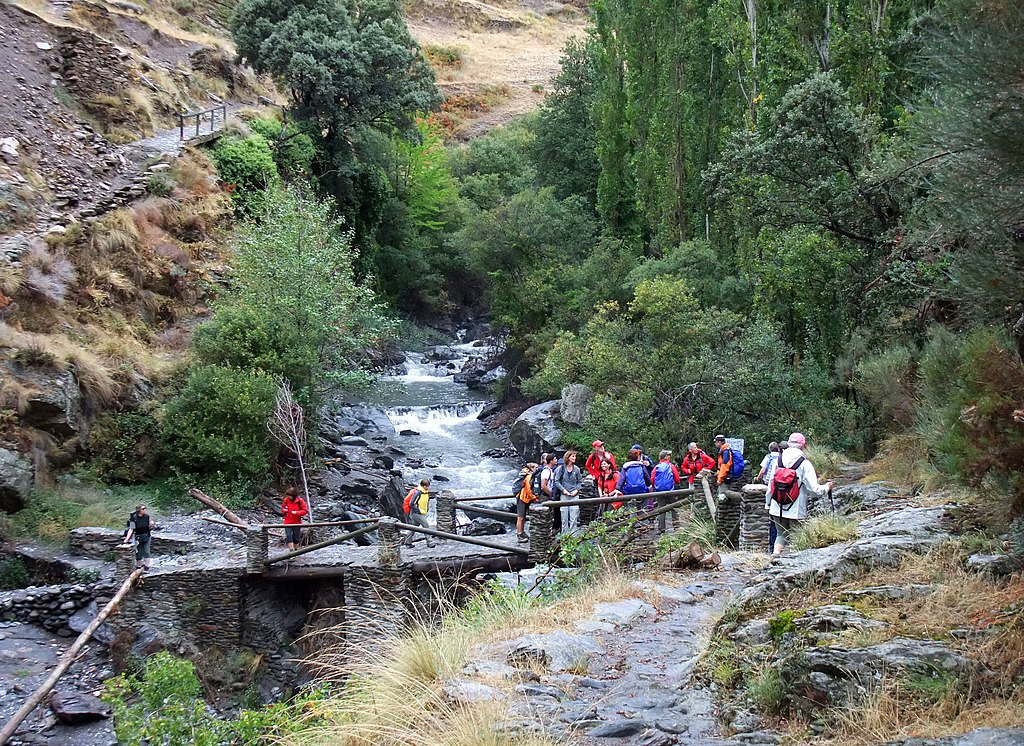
[787, 519]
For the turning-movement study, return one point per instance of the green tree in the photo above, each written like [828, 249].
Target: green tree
[564, 151]
[345, 63]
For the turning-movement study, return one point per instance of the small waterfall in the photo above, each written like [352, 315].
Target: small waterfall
[434, 418]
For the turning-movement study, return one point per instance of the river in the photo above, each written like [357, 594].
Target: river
[449, 442]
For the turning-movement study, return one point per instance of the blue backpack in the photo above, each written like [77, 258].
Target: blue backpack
[634, 483]
[738, 465]
[663, 479]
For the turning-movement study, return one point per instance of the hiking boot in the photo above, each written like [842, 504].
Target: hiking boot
[523, 538]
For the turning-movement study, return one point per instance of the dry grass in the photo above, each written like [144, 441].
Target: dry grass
[901, 710]
[824, 531]
[903, 460]
[394, 695]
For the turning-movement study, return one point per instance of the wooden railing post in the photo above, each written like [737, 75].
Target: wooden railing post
[446, 511]
[257, 549]
[389, 551]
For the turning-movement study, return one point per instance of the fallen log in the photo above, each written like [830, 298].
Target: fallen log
[217, 507]
[67, 659]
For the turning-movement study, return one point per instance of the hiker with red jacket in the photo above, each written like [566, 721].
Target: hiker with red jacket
[607, 481]
[293, 507]
[694, 462]
[599, 454]
[787, 511]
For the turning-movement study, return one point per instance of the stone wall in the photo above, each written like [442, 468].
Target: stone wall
[201, 606]
[378, 606]
[50, 606]
[98, 542]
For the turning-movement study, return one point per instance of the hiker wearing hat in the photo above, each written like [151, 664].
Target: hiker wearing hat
[787, 517]
[595, 458]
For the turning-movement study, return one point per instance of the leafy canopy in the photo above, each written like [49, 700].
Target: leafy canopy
[345, 63]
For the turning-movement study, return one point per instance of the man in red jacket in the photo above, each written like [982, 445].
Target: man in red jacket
[292, 509]
[595, 458]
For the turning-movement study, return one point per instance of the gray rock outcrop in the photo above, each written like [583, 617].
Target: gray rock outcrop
[575, 403]
[832, 675]
[15, 480]
[536, 431]
[980, 737]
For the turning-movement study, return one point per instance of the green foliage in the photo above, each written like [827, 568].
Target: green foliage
[297, 267]
[294, 149]
[971, 397]
[767, 689]
[294, 311]
[51, 514]
[933, 687]
[695, 528]
[782, 623]
[564, 151]
[667, 371]
[159, 184]
[423, 178]
[823, 531]
[345, 63]
[247, 166]
[13, 573]
[248, 337]
[215, 429]
[496, 603]
[122, 447]
[165, 704]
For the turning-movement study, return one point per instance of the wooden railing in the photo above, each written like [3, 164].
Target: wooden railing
[542, 541]
[199, 116]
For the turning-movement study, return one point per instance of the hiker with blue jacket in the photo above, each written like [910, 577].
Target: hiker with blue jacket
[634, 477]
[787, 517]
[730, 467]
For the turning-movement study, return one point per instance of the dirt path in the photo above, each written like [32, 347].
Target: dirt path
[646, 693]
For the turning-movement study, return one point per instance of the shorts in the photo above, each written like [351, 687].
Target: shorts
[292, 534]
[521, 508]
[143, 544]
[785, 528]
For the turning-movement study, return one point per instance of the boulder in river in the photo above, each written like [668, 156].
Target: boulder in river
[575, 404]
[355, 420]
[536, 431]
[76, 707]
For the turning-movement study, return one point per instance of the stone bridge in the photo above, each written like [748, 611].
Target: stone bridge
[249, 594]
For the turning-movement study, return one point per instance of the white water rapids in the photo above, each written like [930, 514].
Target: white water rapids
[450, 439]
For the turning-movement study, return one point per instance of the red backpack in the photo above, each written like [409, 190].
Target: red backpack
[785, 486]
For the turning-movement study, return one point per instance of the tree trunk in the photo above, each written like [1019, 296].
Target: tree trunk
[216, 507]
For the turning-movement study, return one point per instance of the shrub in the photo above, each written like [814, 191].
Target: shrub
[970, 411]
[159, 185]
[824, 531]
[216, 428]
[293, 149]
[164, 704]
[441, 56]
[13, 573]
[249, 338]
[123, 447]
[247, 167]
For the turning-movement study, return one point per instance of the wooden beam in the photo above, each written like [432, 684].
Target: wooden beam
[67, 659]
[487, 511]
[217, 507]
[466, 539]
[352, 522]
[616, 498]
[321, 545]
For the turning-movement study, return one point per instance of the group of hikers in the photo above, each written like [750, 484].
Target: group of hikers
[789, 475]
